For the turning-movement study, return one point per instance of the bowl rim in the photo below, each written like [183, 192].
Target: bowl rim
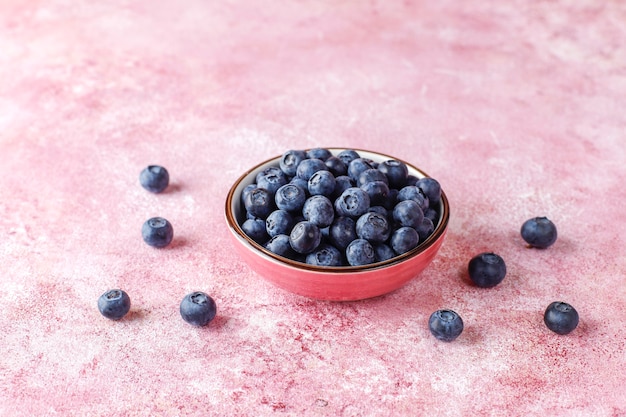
[234, 226]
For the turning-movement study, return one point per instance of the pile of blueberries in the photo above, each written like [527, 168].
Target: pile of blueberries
[196, 308]
[339, 210]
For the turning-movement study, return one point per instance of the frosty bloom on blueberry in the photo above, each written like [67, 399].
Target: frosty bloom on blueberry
[157, 232]
[539, 232]
[198, 308]
[154, 178]
[338, 210]
[114, 304]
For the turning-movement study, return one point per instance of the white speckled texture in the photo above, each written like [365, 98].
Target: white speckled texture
[516, 107]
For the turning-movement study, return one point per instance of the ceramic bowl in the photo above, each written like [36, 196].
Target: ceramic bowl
[346, 283]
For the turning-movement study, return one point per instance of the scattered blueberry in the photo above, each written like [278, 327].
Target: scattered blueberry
[198, 309]
[342, 183]
[114, 304]
[561, 317]
[539, 232]
[445, 325]
[157, 232]
[487, 269]
[154, 178]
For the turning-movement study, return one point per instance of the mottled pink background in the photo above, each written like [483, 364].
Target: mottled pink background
[517, 107]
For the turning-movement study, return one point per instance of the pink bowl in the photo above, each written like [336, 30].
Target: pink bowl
[345, 283]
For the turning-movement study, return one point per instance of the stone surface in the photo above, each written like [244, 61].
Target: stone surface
[516, 107]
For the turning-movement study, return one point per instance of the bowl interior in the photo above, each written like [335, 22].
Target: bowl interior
[235, 215]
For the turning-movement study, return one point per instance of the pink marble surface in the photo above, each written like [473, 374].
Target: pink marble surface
[516, 107]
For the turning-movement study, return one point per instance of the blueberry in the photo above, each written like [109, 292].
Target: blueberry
[259, 203]
[325, 255]
[114, 304]
[377, 192]
[279, 222]
[360, 252]
[305, 237]
[357, 166]
[290, 197]
[539, 232]
[342, 231]
[370, 175]
[271, 178]
[319, 153]
[157, 232]
[395, 171]
[445, 325]
[431, 189]
[425, 229]
[318, 210]
[408, 213]
[342, 183]
[322, 183]
[336, 166]
[246, 191]
[197, 308]
[411, 180]
[348, 156]
[256, 229]
[411, 192]
[379, 210]
[487, 269]
[404, 239]
[290, 160]
[373, 227]
[383, 252]
[279, 245]
[353, 202]
[308, 167]
[432, 214]
[154, 178]
[392, 199]
[561, 317]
